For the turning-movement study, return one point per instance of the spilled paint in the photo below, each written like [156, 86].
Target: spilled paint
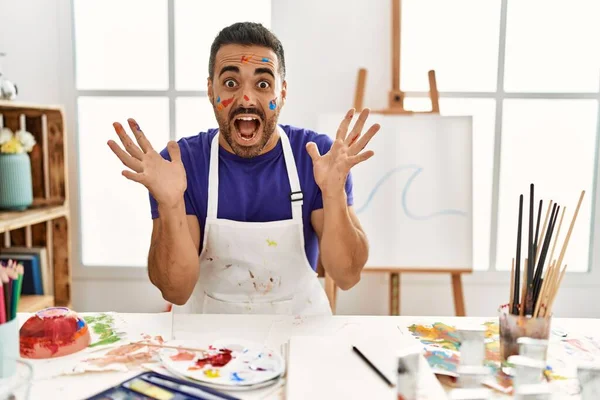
[183, 355]
[236, 378]
[217, 360]
[212, 373]
[271, 243]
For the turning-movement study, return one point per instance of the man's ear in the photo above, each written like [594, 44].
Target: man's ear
[209, 88]
[283, 92]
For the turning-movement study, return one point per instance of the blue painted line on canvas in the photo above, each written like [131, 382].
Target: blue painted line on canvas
[417, 170]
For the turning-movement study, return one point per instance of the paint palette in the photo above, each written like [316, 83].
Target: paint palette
[231, 364]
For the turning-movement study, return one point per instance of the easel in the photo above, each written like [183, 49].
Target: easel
[396, 107]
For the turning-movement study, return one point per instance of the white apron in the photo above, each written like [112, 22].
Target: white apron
[256, 267]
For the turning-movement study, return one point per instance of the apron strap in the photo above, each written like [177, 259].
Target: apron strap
[213, 179]
[296, 196]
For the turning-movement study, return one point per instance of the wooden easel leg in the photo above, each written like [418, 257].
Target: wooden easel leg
[459, 300]
[394, 293]
[331, 292]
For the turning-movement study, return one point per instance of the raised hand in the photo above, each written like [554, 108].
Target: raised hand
[166, 180]
[332, 168]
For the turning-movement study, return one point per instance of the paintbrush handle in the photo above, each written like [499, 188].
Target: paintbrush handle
[164, 346]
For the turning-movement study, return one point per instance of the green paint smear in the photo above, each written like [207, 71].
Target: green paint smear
[102, 325]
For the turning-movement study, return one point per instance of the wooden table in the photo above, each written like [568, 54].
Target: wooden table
[271, 330]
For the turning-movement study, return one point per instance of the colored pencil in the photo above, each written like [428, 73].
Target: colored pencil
[373, 367]
[2, 305]
[18, 284]
[7, 297]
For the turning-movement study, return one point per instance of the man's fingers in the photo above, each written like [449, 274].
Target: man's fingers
[313, 151]
[360, 123]
[127, 142]
[343, 128]
[139, 135]
[174, 151]
[125, 158]
[360, 157]
[360, 144]
[134, 177]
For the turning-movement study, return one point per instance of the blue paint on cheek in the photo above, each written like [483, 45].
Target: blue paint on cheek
[272, 105]
[218, 99]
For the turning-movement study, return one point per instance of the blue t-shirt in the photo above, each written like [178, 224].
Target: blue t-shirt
[254, 189]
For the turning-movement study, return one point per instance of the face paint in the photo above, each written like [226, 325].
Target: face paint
[246, 98]
[224, 104]
[264, 59]
[245, 59]
[273, 104]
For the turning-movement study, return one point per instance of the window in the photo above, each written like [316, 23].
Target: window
[147, 60]
[533, 92]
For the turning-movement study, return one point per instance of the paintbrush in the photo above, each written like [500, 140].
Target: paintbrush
[164, 346]
[528, 301]
[373, 367]
[544, 252]
[537, 231]
[517, 281]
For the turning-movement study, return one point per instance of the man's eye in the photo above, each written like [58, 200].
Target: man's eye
[263, 85]
[230, 83]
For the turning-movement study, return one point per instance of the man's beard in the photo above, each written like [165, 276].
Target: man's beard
[226, 126]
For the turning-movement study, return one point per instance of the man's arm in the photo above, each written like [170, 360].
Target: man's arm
[343, 245]
[173, 257]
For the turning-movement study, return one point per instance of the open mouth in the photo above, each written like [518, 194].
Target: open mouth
[247, 127]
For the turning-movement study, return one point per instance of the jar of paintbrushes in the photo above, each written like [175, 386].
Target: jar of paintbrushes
[533, 288]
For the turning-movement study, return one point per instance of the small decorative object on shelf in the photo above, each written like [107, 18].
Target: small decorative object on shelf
[8, 90]
[16, 192]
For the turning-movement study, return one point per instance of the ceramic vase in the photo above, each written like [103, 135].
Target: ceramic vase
[16, 191]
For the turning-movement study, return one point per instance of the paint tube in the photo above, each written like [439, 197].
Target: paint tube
[472, 376]
[539, 391]
[470, 394]
[527, 371]
[533, 348]
[472, 346]
[408, 376]
[589, 380]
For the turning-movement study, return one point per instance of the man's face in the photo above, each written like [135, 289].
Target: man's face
[247, 93]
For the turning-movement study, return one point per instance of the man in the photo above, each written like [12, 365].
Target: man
[254, 199]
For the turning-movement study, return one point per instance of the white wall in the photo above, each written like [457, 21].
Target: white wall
[324, 50]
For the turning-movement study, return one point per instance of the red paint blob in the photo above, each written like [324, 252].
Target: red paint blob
[218, 360]
[246, 98]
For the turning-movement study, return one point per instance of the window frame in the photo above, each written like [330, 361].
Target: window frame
[490, 277]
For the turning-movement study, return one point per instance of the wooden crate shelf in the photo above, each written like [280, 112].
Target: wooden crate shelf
[11, 220]
[46, 222]
[33, 303]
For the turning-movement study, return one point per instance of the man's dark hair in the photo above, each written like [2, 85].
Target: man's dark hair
[249, 34]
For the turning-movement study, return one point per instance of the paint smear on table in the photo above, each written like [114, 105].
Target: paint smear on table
[103, 329]
[122, 358]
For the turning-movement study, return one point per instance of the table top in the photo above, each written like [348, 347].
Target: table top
[50, 380]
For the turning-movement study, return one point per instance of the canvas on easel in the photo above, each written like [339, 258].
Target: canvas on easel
[414, 198]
